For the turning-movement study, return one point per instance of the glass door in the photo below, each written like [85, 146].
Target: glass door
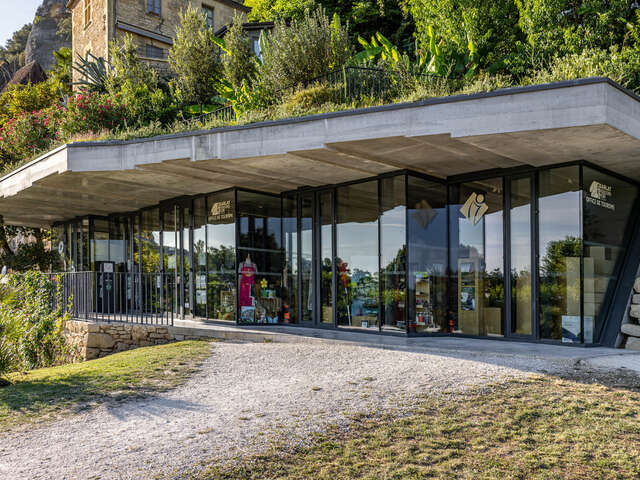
[521, 256]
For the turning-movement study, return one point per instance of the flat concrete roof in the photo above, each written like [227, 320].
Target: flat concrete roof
[590, 119]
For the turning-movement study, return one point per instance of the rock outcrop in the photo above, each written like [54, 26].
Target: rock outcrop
[30, 73]
[44, 38]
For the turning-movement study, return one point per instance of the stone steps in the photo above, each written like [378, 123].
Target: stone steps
[630, 328]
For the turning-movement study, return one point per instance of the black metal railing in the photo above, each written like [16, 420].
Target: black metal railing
[350, 84]
[130, 297]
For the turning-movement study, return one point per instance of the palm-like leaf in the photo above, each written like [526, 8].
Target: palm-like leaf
[94, 71]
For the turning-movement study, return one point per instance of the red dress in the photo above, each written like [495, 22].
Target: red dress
[247, 280]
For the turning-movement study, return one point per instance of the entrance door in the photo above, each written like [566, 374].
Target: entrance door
[521, 273]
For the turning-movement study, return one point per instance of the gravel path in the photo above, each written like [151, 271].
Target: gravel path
[245, 396]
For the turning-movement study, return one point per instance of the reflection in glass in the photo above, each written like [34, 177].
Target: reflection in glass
[170, 256]
[427, 223]
[260, 258]
[560, 239]
[186, 277]
[306, 256]
[150, 240]
[326, 257]
[357, 255]
[608, 202]
[520, 222]
[200, 257]
[290, 270]
[477, 263]
[59, 246]
[393, 252]
[99, 243]
[221, 263]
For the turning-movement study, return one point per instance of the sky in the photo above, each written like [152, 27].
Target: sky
[14, 14]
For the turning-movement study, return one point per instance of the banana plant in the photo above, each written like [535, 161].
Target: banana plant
[436, 59]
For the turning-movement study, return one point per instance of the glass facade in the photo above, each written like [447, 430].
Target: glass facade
[560, 246]
[530, 254]
[476, 260]
[357, 256]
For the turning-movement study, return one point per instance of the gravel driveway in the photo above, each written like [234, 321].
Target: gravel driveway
[245, 396]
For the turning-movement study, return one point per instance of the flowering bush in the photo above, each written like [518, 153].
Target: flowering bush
[28, 133]
[91, 112]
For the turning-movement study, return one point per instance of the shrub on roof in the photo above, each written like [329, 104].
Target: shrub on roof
[308, 48]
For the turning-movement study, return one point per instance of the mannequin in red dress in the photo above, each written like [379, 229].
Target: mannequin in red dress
[247, 280]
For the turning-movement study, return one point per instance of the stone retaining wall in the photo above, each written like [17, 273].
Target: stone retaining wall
[90, 340]
[631, 325]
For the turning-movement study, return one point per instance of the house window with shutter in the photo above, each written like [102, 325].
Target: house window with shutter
[208, 15]
[87, 13]
[154, 6]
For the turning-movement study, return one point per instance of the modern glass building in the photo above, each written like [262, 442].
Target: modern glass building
[510, 214]
[523, 253]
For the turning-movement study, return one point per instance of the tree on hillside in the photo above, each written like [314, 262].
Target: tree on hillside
[12, 54]
[567, 26]
[195, 59]
[492, 26]
[239, 62]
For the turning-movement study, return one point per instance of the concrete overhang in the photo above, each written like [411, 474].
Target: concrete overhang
[591, 119]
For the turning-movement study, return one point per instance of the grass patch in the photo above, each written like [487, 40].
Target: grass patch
[540, 428]
[45, 393]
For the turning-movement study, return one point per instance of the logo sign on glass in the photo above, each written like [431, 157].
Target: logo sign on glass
[600, 195]
[221, 211]
[474, 208]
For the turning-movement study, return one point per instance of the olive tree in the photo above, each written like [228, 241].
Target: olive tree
[305, 49]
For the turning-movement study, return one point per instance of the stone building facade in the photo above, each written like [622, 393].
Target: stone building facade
[152, 24]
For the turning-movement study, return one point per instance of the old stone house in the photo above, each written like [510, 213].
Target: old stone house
[152, 23]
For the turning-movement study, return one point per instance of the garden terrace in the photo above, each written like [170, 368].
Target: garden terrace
[592, 119]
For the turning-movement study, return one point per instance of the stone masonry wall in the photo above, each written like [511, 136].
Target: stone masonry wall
[92, 37]
[94, 340]
[631, 326]
[96, 36]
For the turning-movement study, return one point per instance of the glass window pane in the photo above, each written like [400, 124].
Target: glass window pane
[59, 246]
[357, 255]
[560, 243]
[608, 202]
[170, 240]
[306, 256]
[393, 252]
[520, 224]
[200, 256]
[477, 262]
[150, 241]
[427, 219]
[118, 242]
[221, 252]
[100, 242]
[187, 261]
[326, 257]
[260, 258]
[290, 231]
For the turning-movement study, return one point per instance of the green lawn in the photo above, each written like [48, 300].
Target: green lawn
[540, 428]
[45, 393]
